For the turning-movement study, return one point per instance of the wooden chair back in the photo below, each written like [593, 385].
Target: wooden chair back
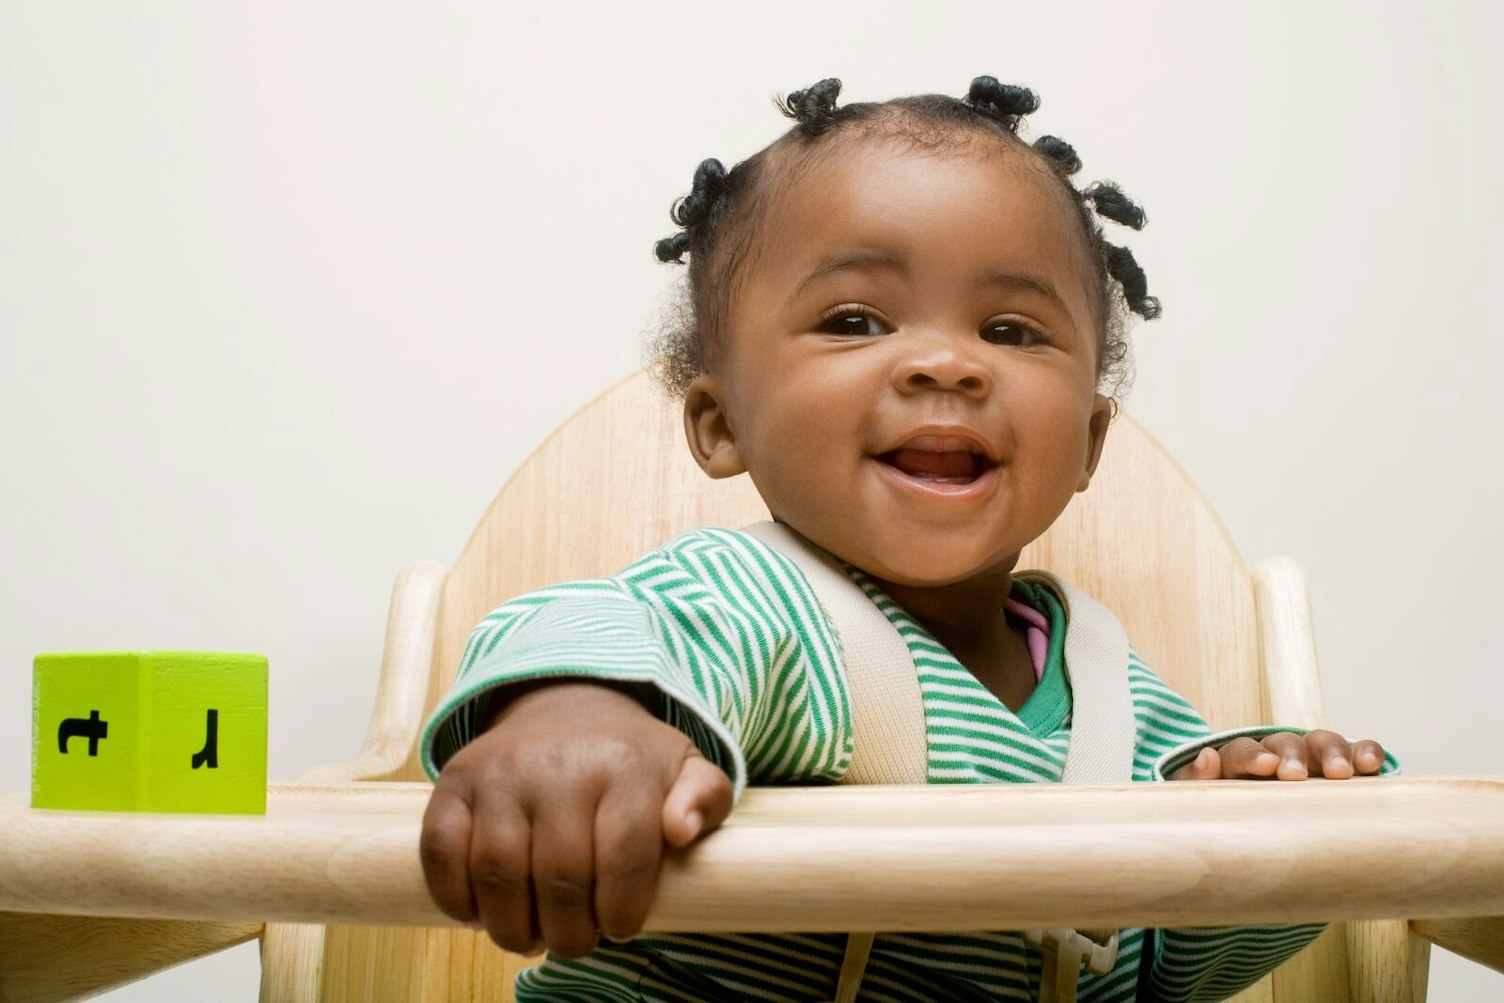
[618, 480]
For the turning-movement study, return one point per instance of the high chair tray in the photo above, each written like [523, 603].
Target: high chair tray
[938, 858]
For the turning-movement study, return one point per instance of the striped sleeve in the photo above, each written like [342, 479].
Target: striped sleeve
[1166, 723]
[723, 627]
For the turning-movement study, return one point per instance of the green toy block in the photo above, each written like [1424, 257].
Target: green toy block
[181, 731]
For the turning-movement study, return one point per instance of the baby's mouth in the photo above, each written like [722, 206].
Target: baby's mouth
[957, 466]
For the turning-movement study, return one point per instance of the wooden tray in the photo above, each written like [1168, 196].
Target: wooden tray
[826, 859]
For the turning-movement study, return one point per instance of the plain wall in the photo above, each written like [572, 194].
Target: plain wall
[286, 293]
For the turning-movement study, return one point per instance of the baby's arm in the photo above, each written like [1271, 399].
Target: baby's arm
[589, 721]
[551, 824]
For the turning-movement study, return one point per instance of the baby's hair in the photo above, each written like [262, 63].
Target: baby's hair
[723, 210]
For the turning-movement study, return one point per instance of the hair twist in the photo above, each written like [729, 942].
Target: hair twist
[672, 248]
[814, 107]
[1123, 267]
[1005, 102]
[1061, 154]
[1112, 204]
[705, 193]
[708, 187]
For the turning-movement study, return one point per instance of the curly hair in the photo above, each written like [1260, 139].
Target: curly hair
[723, 212]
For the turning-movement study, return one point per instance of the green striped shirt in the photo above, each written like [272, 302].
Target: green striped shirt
[731, 635]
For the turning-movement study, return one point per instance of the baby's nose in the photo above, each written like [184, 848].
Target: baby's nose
[942, 368]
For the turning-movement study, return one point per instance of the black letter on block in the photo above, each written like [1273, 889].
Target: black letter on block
[209, 754]
[91, 728]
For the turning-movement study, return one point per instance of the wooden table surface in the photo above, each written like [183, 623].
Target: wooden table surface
[900, 858]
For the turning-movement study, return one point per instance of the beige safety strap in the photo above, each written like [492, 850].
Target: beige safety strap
[887, 712]
[853, 966]
[889, 734]
[1103, 728]
[1103, 734]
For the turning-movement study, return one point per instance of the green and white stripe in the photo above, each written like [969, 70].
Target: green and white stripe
[730, 633]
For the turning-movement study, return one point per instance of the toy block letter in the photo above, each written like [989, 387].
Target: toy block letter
[206, 755]
[76, 727]
[181, 731]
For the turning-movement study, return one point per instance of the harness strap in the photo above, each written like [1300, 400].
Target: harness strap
[887, 713]
[1103, 728]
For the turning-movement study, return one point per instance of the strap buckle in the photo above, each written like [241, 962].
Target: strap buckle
[1065, 953]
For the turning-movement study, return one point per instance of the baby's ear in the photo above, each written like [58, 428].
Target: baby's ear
[708, 429]
[1102, 410]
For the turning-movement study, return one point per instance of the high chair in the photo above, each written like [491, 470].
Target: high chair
[612, 483]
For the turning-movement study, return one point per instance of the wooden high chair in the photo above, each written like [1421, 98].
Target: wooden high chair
[616, 481]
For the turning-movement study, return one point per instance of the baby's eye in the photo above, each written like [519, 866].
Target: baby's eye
[1010, 332]
[853, 322]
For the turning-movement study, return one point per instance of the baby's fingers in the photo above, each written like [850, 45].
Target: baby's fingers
[698, 802]
[563, 854]
[628, 849]
[1298, 755]
[444, 849]
[1245, 759]
[1329, 755]
[1368, 757]
[499, 861]
[1207, 766]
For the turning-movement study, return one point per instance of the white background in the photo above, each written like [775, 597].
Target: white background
[287, 292]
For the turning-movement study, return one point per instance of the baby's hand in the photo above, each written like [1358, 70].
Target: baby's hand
[549, 827]
[1286, 756]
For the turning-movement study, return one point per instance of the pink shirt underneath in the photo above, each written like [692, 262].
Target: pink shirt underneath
[1036, 632]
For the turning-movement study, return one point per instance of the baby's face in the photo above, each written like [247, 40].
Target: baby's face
[909, 367]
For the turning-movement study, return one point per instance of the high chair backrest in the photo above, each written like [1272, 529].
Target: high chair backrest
[617, 480]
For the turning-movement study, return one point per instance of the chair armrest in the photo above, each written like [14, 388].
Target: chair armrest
[1287, 641]
[402, 693]
[1476, 938]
